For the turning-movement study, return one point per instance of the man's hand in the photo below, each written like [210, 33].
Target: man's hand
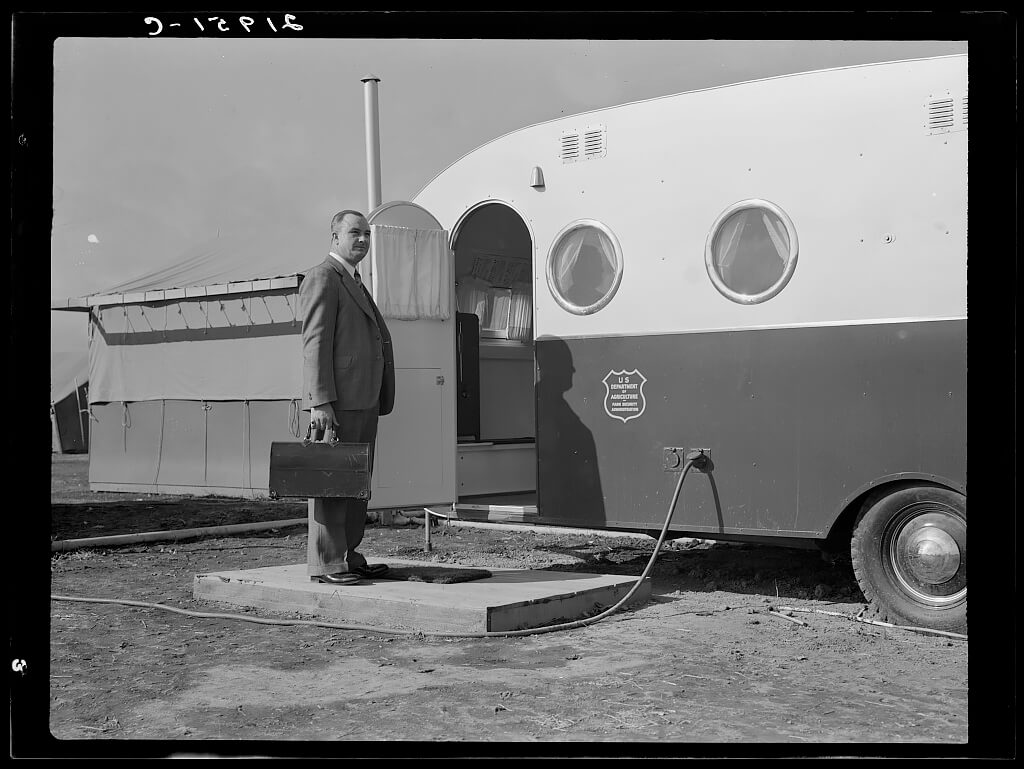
[322, 416]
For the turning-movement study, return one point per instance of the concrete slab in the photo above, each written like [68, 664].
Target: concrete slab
[511, 599]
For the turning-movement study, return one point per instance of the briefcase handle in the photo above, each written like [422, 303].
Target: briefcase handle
[330, 436]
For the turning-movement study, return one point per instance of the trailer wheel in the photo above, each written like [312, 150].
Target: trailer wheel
[909, 553]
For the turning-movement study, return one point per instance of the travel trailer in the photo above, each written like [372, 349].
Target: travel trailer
[773, 271]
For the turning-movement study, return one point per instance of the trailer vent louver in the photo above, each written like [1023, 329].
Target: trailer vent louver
[593, 143]
[586, 146]
[940, 114]
[570, 148]
[946, 114]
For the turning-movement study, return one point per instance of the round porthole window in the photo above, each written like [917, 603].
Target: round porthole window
[584, 267]
[751, 251]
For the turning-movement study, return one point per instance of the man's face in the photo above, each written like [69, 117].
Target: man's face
[351, 241]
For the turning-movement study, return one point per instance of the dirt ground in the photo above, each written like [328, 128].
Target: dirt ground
[703, 662]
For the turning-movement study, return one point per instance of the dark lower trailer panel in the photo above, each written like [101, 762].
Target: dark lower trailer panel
[799, 423]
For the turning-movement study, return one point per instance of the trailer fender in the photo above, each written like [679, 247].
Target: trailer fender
[845, 513]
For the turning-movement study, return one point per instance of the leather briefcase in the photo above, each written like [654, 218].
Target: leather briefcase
[326, 468]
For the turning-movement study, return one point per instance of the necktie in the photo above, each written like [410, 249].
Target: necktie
[359, 281]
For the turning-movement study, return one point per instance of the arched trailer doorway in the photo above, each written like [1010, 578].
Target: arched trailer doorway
[494, 284]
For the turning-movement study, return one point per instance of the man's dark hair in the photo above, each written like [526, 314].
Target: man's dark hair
[340, 217]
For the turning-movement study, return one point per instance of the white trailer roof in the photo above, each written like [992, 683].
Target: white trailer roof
[562, 118]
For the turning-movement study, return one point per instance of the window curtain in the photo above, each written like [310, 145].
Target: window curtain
[608, 254]
[777, 232]
[500, 300]
[471, 296]
[412, 272]
[729, 238]
[520, 316]
[570, 254]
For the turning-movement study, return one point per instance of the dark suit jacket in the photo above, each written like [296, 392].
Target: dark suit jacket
[346, 346]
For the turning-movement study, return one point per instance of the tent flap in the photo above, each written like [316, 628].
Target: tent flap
[239, 348]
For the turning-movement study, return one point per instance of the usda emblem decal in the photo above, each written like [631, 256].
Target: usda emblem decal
[624, 394]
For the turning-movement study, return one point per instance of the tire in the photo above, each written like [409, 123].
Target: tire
[909, 552]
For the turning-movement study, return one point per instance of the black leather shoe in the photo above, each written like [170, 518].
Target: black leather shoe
[370, 571]
[339, 578]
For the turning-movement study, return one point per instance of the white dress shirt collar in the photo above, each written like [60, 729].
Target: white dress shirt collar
[348, 267]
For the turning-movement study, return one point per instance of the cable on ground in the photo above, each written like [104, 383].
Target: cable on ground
[365, 628]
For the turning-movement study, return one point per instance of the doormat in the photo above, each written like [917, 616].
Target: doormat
[444, 575]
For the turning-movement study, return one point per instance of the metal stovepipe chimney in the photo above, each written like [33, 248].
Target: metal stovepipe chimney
[372, 142]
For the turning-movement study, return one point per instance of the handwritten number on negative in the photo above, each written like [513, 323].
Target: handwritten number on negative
[222, 24]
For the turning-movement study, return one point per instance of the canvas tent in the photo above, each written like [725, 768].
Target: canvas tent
[186, 386]
[69, 398]
[195, 368]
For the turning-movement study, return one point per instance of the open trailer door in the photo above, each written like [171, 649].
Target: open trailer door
[410, 279]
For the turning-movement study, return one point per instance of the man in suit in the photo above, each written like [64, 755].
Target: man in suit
[349, 379]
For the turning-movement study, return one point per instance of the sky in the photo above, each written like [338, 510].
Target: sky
[160, 144]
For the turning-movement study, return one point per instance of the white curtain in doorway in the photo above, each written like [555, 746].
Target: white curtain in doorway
[520, 316]
[412, 272]
[471, 296]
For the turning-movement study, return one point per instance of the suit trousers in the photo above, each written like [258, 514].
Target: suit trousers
[336, 525]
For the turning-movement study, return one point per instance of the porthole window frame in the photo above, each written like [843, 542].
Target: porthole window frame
[616, 280]
[787, 270]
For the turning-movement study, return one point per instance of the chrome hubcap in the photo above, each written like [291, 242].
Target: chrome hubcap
[927, 546]
[932, 555]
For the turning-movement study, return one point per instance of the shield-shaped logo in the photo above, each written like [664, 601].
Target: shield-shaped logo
[624, 394]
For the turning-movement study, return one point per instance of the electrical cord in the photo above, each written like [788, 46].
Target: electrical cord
[693, 458]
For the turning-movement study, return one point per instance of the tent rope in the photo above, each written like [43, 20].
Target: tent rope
[246, 444]
[183, 318]
[126, 421]
[142, 310]
[160, 441]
